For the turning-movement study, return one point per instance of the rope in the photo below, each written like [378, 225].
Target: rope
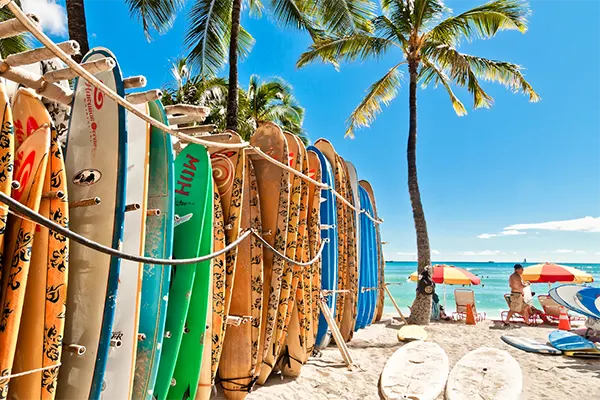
[46, 41]
[289, 260]
[33, 371]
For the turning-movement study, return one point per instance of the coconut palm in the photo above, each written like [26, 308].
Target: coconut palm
[215, 35]
[154, 15]
[11, 45]
[265, 100]
[428, 37]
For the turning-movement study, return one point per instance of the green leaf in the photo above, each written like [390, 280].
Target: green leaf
[382, 91]
[430, 72]
[155, 14]
[345, 17]
[15, 44]
[299, 14]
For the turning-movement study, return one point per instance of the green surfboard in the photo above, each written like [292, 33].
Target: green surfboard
[181, 356]
[199, 236]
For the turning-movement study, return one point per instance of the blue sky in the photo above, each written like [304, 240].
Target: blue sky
[495, 184]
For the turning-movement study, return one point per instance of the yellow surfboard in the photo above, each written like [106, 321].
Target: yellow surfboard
[6, 157]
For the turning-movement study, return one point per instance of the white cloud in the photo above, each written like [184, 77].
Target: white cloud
[53, 17]
[480, 253]
[580, 252]
[563, 251]
[435, 252]
[402, 253]
[586, 224]
[506, 232]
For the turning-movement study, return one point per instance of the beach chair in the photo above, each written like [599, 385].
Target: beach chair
[462, 297]
[533, 318]
[552, 309]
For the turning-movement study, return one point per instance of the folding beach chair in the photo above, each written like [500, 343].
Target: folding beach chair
[552, 309]
[534, 318]
[462, 297]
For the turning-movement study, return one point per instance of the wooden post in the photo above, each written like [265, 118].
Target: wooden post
[394, 303]
[339, 340]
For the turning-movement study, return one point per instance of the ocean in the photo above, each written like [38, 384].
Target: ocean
[489, 295]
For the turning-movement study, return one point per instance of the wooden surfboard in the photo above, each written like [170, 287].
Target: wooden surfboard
[195, 168]
[228, 168]
[299, 322]
[120, 365]
[159, 244]
[380, 260]
[239, 367]
[351, 282]
[7, 149]
[216, 318]
[96, 164]
[271, 180]
[31, 160]
[290, 279]
[353, 180]
[42, 322]
[329, 152]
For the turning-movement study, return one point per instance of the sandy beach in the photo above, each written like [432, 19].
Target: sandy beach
[326, 377]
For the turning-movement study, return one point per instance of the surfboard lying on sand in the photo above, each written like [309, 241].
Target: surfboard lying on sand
[568, 341]
[530, 345]
[417, 370]
[408, 333]
[485, 373]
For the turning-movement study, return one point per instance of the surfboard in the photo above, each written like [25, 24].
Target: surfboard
[408, 333]
[42, 322]
[290, 276]
[239, 367]
[568, 341]
[31, 161]
[592, 354]
[216, 316]
[7, 148]
[329, 152]
[566, 296]
[380, 260]
[199, 239]
[120, 365]
[352, 268]
[159, 244]
[329, 231]
[96, 167]
[299, 319]
[417, 370]
[589, 298]
[529, 345]
[314, 242]
[485, 373]
[271, 180]
[371, 278]
[193, 194]
[365, 265]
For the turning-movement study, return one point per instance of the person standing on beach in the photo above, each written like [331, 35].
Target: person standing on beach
[517, 300]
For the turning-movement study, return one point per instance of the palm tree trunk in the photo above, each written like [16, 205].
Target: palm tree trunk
[421, 307]
[232, 90]
[77, 27]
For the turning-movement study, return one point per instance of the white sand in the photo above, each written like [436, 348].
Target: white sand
[326, 377]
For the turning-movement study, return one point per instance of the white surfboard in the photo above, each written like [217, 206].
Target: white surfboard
[121, 358]
[96, 166]
[417, 370]
[485, 373]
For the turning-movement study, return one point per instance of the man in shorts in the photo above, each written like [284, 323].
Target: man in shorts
[517, 300]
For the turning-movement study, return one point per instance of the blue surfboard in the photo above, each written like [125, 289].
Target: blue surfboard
[330, 252]
[529, 345]
[566, 296]
[364, 260]
[159, 244]
[568, 341]
[372, 271]
[590, 299]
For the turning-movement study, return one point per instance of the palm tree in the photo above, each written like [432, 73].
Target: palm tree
[428, 36]
[268, 100]
[155, 15]
[11, 45]
[215, 35]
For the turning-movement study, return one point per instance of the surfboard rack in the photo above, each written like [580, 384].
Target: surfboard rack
[49, 90]
[394, 303]
[186, 119]
[93, 67]
[13, 27]
[328, 292]
[70, 47]
[53, 195]
[187, 109]
[238, 320]
[134, 82]
[141, 337]
[144, 97]
[92, 201]
[132, 207]
[337, 335]
[167, 334]
[200, 129]
[75, 348]
[15, 185]
[116, 343]
[153, 212]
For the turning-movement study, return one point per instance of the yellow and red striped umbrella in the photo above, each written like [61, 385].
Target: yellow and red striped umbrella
[552, 273]
[450, 275]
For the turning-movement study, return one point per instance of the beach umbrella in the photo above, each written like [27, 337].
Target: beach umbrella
[449, 275]
[552, 273]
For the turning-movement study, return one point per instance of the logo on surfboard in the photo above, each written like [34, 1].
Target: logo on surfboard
[87, 177]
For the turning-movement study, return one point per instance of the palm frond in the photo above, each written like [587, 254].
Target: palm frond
[15, 44]
[426, 12]
[385, 28]
[245, 43]
[482, 22]
[255, 8]
[208, 35]
[382, 91]
[399, 12]
[155, 14]
[347, 48]
[345, 17]
[299, 14]
[431, 73]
